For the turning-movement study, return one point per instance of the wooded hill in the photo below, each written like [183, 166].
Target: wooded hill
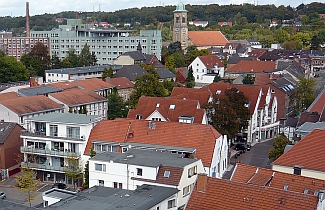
[213, 13]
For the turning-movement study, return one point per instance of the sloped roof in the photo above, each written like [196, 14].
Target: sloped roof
[210, 61]
[25, 105]
[235, 59]
[219, 192]
[318, 104]
[77, 96]
[201, 137]
[93, 84]
[307, 153]
[5, 129]
[207, 38]
[308, 117]
[131, 72]
[252, 93]
[135, 55]
[202, 94]
[255, 53]
[9, 95]
[173, 179]
[147, 105]
[120, 83]
[296, 183]
[247, 66]
[165, 73]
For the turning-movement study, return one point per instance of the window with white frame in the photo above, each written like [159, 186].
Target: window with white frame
[73, 132]
[171, 203]
[100, 167]
[192, 171]
[187, 190]
[53, 130]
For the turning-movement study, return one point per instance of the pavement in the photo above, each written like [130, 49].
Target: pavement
[257, 156]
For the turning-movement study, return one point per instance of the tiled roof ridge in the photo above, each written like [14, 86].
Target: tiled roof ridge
[316, 100]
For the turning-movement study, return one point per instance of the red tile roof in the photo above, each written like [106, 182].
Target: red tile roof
[120, 83]
[307, 153]
[202, 94]
[147, 105]
[9, 95]
[207, 38]
[248, 66]
[173, 179]
[210, 61]
[24, 105]
[252, 93]
[77, 96]
[226, 194]
[318, 104]
[201, 137]
[296, 183]
[256, 53]
[93, 84]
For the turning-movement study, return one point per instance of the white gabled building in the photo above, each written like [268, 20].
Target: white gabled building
[205, 68]
[51, 139]
[136, 167]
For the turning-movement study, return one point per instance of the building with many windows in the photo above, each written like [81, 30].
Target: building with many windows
[106, 44]
[52, 139]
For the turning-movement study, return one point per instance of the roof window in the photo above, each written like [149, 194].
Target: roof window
[166, 174]
[172, 107]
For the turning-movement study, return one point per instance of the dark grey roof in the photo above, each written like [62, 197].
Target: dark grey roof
[43, 90]
[98, 197]
[80, 70]
[157, 64]
[135, 55]
[235, 60]
[308, 127]
[291, 122]
[5, 130]
[8, 205]
[165, 73]
[145, 158]
[131, 72]
[284, 85]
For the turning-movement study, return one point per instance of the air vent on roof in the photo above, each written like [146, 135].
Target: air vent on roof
[166, 174]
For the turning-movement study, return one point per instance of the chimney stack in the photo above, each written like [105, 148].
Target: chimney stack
[202, 182]
[27, 20]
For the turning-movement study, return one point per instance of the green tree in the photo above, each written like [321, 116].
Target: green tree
[116, 106]
[281, 36]
[55, 62]
[71, 60]
[190, 80]
[32, 64]
[170, 62]
[228, 113]
[2, 54]
[315, 43]
[304, 94]
[107, 73]
[248, 79]
[168, 85]
[42, 54]
[85, 184]
[85, 57]
[146, 85]
[279, 145]
[74, 170]
[217, 78]
[12, 70]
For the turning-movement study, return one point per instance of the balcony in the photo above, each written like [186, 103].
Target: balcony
[45, 167]
[52, 152]
[43, 135]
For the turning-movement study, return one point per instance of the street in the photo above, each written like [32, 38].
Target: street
[257, 156]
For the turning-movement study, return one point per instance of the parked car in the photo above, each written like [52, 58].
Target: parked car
[2, 195]
[59, 185]
[241, 147]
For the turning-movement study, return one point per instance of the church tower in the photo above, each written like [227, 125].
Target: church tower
[180, 29]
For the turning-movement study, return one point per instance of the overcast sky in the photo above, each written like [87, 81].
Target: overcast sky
[17, 7]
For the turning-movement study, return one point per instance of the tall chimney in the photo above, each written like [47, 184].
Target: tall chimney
[27, 20]
[202, 182]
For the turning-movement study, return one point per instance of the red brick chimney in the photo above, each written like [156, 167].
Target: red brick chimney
[202, 182]
[27, 20]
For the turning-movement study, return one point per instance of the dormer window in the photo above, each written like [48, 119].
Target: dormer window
[218, 92]
[157, 105]
[138, 117]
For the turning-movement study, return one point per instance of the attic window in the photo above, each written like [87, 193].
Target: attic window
[285, 187]
[157, 105]
[172, 107]
[218, 92]
[166, 174]
[297, 170]
[138, 117]
[306, 190]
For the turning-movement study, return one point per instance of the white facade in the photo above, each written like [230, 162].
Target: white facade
[53, 138]
[123, 175]
[203, 75]
[220, 158]
[304, 172]
[156, 116]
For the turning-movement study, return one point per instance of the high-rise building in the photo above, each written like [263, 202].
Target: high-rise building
[106, 44]
[180, 29]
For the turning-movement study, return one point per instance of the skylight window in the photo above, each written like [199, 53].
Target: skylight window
[218, 92]
[166, 174]
[157, 105]
[172, 106]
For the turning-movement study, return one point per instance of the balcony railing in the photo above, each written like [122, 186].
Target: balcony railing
[52, 152]
[43, 135]
[45, 167]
